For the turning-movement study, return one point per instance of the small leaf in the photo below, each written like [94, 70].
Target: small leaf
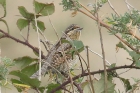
[52, 86]
[25, 79]
[17, 81]
[126, 84]
[40, 25]
[24, 61]
[26, 14]
[65, 41]
[44, 9]
[15, 73]
[121, 45]
[21, 23]
[24, 87]
[3, 3]
[30, 70]
[41, 89]
[99, 86]
[135, 56]
[86, 86]
[112, 65]
[79, 46]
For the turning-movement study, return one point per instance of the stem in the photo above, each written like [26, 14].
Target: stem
[92, 73]
[0, 63]
[39, 46]
[28, 32]
[19, 41]
[88, 68]
[103, 53]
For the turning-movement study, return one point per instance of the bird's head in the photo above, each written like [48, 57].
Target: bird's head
[73, 32]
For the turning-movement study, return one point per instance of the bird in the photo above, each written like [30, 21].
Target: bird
[58, 55]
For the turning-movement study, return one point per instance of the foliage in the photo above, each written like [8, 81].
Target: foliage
[5, 64]
[125, 25]
[69, 5]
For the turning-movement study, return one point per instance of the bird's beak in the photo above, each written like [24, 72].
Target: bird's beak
[80, 28]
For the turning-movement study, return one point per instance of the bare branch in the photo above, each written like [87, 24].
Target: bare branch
[103, 52]
[39, 46]
[6, 35]
[93, 73]
[112, 7]
[99, 55]
[88, 68]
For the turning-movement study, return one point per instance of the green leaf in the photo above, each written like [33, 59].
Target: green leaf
[112, 65]
[99, 86]
[44, 9]
[3, 3]
[41, 89]
[25, 79]
[120, 45]
[26, 14]
[30, 70]
[135, 56]
[21, 23]
[40, 25]
[52, 86]
[126, 84]
[18, 82]
[24, 61]
[79, 46]
[65, 41]
[87, 85]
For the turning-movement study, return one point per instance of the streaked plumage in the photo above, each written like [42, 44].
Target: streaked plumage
[55, 60]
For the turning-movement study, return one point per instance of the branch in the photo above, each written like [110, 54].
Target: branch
[88, 68]
[19, 41]
[102, 48]
[110, 29]
[93, 73]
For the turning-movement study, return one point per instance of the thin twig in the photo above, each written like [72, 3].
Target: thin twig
[110, 29]
[44, 45]
[66, 90]
[22, 42]
[22, 36]
[88, 68]
[78, 87]
[39, 46]
[81, 64]
[129, 5]
[98, 55]
[28, 31]
[0, 63]
[85, 8]
[93, 73]
[112, 7]
[103, 53]
[53, 26]
[46, 40]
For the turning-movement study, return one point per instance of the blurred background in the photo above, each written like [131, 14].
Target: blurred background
[61, 20]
